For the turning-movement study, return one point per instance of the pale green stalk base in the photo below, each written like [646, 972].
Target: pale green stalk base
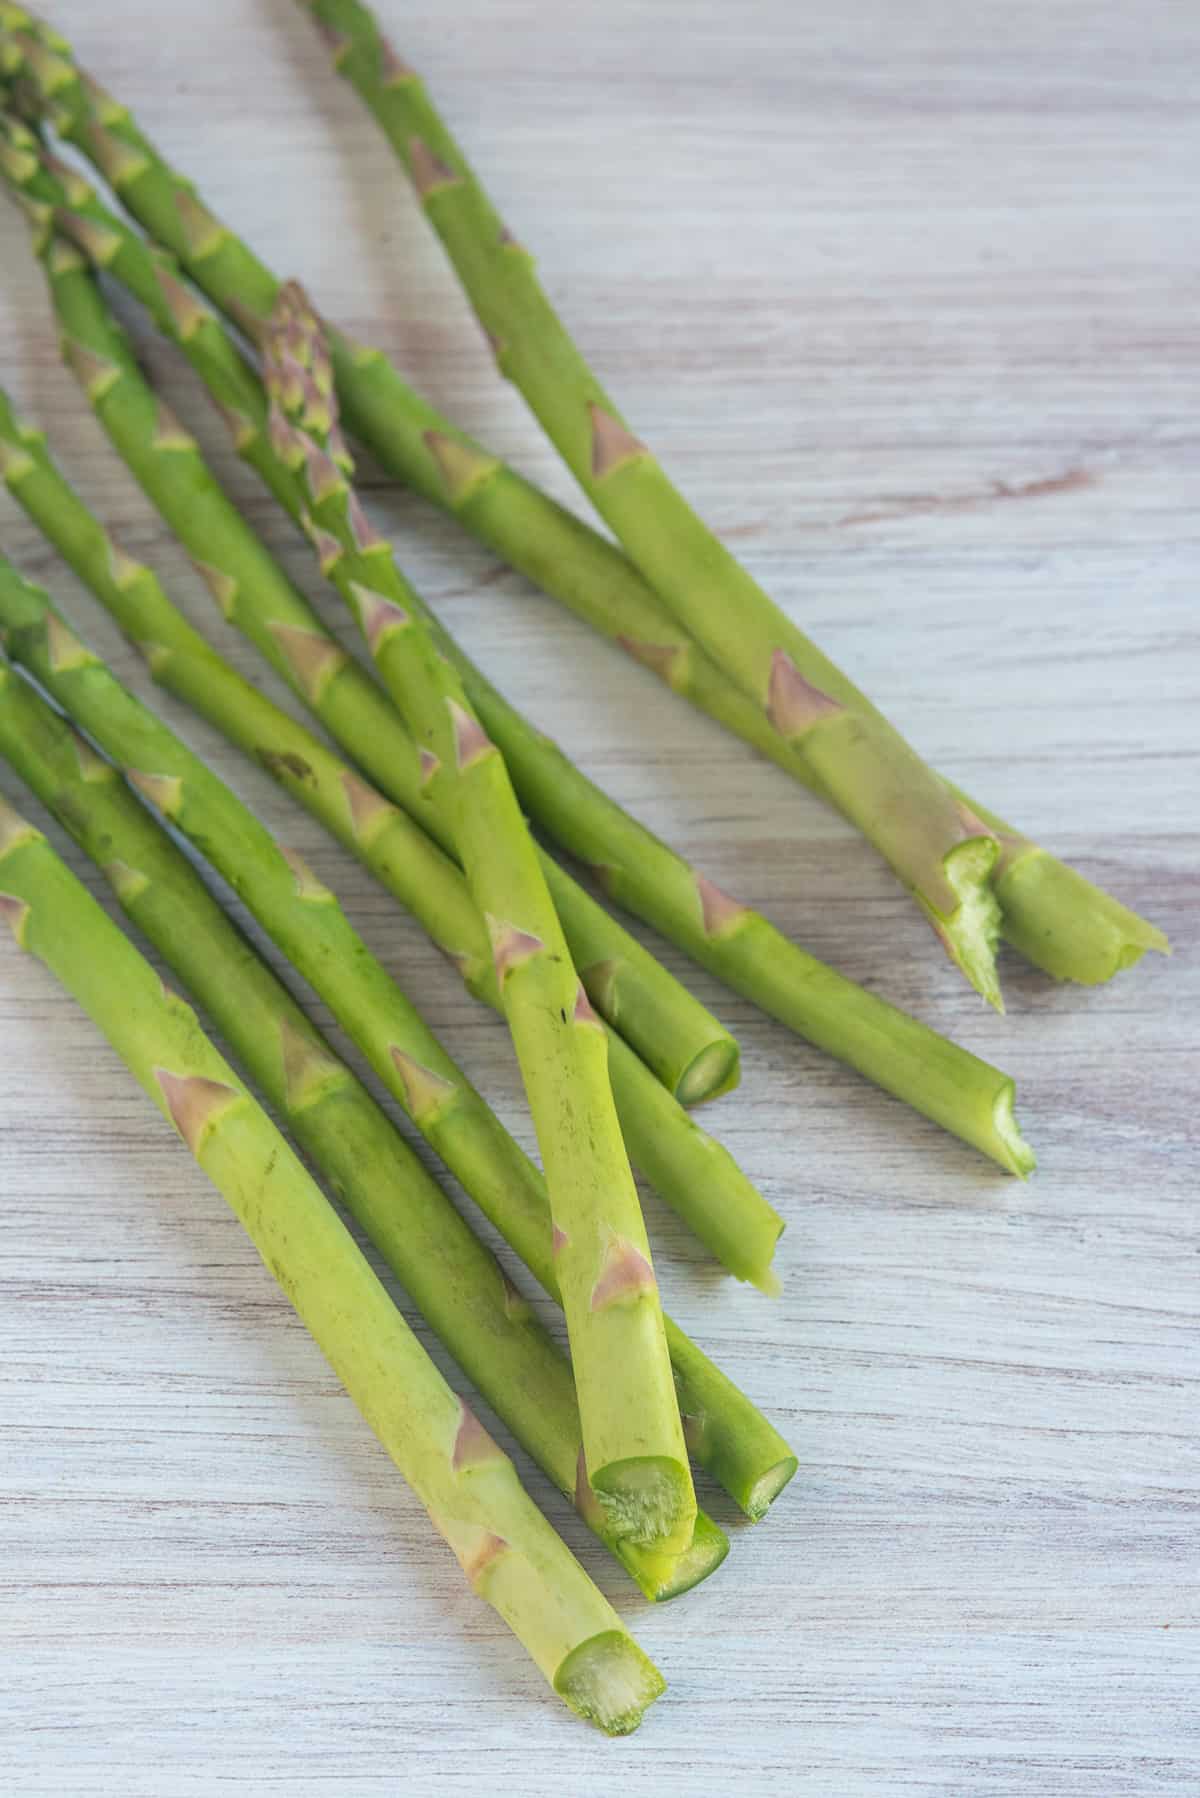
[511, 1556]
[452, 1278]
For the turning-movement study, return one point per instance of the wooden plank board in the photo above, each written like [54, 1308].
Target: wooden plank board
[907, 300]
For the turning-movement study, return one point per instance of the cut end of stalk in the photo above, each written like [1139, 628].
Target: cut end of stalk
[609, 1681]
[716, 1070]
[648, 1500]
[766, 1489]
[1015, 1152]
[663, 1577]
[971, 935]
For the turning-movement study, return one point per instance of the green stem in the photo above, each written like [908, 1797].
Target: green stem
[699, 1178]
[509, 1553]
[725, 1431]
[957, 1090]
[633, 1439]
[454, 1281]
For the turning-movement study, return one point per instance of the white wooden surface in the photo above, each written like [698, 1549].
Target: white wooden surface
[906, 297]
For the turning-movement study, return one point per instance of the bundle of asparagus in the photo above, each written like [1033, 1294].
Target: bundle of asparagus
[431, 800]
[937, 1078]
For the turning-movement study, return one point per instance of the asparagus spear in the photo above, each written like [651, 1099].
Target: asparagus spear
[454, 1281]
[693, 1172]
[725, 1432]
[509, 1553]
[634, 1446]
[862, 763]
[1064, 924]
[965, 1095]
[633, 1438]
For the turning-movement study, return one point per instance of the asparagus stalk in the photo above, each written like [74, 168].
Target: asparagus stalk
[862, 763]
[1064, 924]
[730, 1438]
[509, 1553]
[455, 1282]
[633, 1438]
[699, 1178]
[945, 1083]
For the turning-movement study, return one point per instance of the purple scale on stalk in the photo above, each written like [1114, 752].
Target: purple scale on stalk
[667, 660]
[612, 444]
[794, 705]
[625, 1275]
[425, 1093]
[15, 913]
[194, 1103]
[473, 1447]
[366, 538]
[378, 616]
[428, 170]
[510, 946]
[471, 741]
[583, 1013]
[720, 912]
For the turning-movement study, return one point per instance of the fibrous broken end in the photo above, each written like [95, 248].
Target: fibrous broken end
[1017, 1155]
[757, 1501]
[662, 1577]
[609, 1681]
[648, 1500]
[972, 933]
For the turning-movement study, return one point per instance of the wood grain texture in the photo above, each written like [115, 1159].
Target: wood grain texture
[907, 299]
